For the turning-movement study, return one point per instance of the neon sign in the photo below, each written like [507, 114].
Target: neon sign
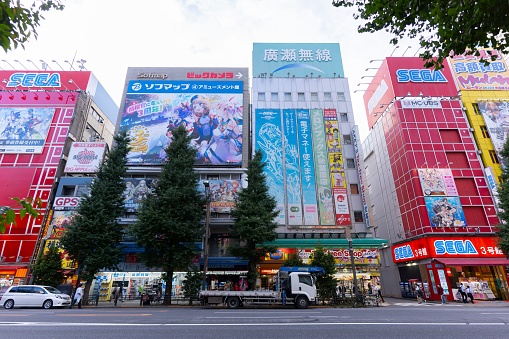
[34, 80]
[420, 75]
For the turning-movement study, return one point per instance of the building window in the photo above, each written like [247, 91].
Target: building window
[261, 96]
[288, 96]
[493, 157]
[357, 216]
[300, 96]
[327, 96]
[347, 139]
[274, 96]
[350, 163]
[314, 96]
[476, 109]
[354, 189]
[340, 96]
[343, 116]
[484, 132]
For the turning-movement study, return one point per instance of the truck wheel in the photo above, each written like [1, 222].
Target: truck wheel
[302, 302]
[232, 302]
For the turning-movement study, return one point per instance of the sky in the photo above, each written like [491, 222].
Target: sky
[113, 35]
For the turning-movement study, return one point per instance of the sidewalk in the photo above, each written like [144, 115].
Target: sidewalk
[390, 301]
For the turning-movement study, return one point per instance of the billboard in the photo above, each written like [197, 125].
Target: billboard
[24, 129]
[297, 60]
[472, 74]
[223, 194]
[437, 181]
[496, 117]
[211, 111]
[135, 191]
[445, 212]
[85, 157]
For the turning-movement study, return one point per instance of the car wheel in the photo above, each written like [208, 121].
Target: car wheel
[233, 302]
[302, 302]
[9, 304]
[47, 304]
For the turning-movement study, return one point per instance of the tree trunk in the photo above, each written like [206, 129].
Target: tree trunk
[86, 292]
[167, 291]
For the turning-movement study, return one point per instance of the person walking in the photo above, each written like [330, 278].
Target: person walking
[461, 289]
[78, 295]
[468, 291]
[379, 292]
[418, 292]
[440, 291]
[116, 295]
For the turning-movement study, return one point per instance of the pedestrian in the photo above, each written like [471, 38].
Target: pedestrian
[78, 295]
[140, 290]
[115, 295]
[440, 291]
[468, 291]
[418, 292]
[461, 289]
[379, 292]
[343, 291]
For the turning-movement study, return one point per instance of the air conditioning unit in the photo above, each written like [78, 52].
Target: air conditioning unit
[471, 129]
[479, 152]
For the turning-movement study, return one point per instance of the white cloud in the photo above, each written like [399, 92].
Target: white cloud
[116, 34]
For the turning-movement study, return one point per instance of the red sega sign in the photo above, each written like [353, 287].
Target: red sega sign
[441, 247]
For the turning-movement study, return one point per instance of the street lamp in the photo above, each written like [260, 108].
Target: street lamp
[352, 260]
[206, 239]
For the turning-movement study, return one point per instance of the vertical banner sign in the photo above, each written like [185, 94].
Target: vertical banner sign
[268, 140]
[360, 170]
[325, 202]
[292, 168]
[337, 172]
[307, 169]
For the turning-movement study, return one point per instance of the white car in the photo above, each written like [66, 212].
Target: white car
[34, 296]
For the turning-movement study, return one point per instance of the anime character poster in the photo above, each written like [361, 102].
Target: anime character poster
[437, 181]
[496, 117]
[135, 191]
[223, 194]
[292, 168]
[211, 111]
[445, 212]
[24, 129]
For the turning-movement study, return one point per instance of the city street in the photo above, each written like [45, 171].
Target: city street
[396, 319]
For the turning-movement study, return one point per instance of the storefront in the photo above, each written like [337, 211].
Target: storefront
[226, 273]
[450, 261]
[12, 275]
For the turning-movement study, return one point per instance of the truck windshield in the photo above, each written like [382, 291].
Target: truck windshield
[306, 279]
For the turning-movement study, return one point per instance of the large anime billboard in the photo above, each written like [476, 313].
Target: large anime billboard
[211, 111]
[24, 129]
[496, 117]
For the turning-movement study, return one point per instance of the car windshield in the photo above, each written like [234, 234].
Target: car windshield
[52, 290]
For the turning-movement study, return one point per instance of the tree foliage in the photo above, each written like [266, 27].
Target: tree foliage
[254, 219]
[293, 260]
[326, 284]
[28, 207]
[169, 222]
[18, 23]
[94, 234]
[48, 268]
[191, 285]
[442, 26]
[503, 197]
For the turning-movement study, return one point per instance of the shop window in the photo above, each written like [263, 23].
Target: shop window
[347, 139]
[274, 96]
[354, 189]
[357, 216]
[340, 96]
[343, 116]
[327, 96]
[261, 96]
[350, 163]
[288, 96]
[314, 96]
[301, 96]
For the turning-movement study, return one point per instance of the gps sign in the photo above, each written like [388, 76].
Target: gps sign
[66, 203]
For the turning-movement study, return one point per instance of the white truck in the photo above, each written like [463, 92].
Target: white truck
[293, 286]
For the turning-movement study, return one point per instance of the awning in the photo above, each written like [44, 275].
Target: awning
[474, 261]
[328, 243]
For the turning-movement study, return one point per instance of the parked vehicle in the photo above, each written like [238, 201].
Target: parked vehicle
[294, 286]
[34, 296]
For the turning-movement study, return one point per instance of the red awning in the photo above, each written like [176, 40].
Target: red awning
[474, 261]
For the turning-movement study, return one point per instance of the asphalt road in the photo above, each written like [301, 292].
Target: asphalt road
[398, 319]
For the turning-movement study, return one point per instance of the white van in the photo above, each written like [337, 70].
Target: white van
[34, 296]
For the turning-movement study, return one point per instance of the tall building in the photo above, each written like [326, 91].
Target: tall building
[304, 126]
[425, 159]
[41, 114]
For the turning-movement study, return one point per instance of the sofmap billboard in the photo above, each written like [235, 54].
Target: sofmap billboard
[297, 60]
[496, 117]
[24, 129]
[472, 74]
[211, 111]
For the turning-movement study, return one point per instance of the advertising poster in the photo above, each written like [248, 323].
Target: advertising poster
[211, 111]
[223, 194]
[496, 117]
[85, 157]
[325, 196]
[269, 140]
[24, 129]
[437, 181]
[307, 168]
[135, 191]
[342, 256]
[67, 262]
[292, 168]
[445, 212]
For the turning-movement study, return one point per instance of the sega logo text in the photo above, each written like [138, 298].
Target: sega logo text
[403, 252]
[420, 75]
[34, 80]
[454, 247]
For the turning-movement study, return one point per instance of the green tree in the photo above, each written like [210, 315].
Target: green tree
[293, 260]
[326, 284]
[170, 221]
[94, 234]
[191, 285]
[503, 197]
[441, 26]
[18, 23]
[28, 206]
[48, 268]
[254, 219]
